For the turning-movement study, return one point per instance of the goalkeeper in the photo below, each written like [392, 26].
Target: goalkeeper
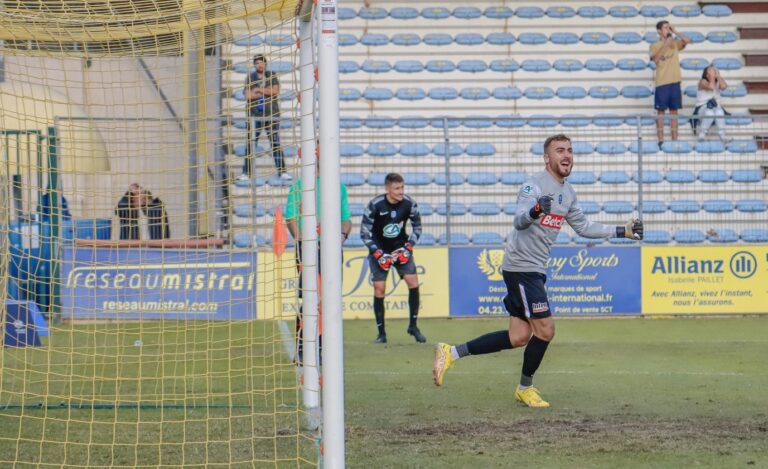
[383, 232]
[545, 201]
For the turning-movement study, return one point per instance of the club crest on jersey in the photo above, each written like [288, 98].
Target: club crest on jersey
[527, 189]
[552, 221]
[560, 199]
[392, 230]
[393, 214]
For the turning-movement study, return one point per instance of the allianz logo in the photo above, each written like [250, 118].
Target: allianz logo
[742, 264]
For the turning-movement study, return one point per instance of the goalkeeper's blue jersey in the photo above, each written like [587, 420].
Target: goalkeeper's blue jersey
[531, 240]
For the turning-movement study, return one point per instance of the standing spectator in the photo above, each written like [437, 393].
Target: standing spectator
[383, 232]
[262, 91]
[135, 201]
[157, 218]
[668, 96]
[708, 103]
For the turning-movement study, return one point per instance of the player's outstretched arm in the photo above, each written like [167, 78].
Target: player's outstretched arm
[633, 229]
[366, 228]
[586, 228]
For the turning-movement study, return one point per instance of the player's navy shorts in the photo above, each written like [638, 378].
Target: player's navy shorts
[526, 295]
[379, 275]
[668, 97]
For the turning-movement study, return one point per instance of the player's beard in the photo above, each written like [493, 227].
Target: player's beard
[560, 171]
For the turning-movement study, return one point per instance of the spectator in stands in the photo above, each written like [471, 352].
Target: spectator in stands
[708, 104]
[135, 201]
[262, 91]
[668, 95]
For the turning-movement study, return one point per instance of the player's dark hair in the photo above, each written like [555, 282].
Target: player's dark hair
[392, 178]
[704, 72]
[661, 24]
[259, 57]
[555, 138]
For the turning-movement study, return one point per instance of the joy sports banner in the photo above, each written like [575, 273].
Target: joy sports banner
[580, 281]
[705, 279]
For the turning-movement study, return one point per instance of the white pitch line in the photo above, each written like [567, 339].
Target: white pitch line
[559, 372]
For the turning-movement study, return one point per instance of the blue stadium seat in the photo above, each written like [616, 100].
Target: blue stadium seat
[575, 120]
[276, 181]
[253, 41]
[354, 240]
[569, 65]
[352, 179]
[710, 146]
[529, 12]
[505, 65]
[610, 148]
[414, 149]
[427, 239]
[474, 93]
[249, 210]
[582, 177]
[240, 67]
[561, 12]
[478, 122]
[376, 179]
[742, 146]
[356, 209]
[435, 13]
[656, 237]
[690, 236]
[507, 92]
[603, 92]
[239, 149]
[456, 239]
[480, 149]
[717, 10]
[280, 66]
[469, 39]
[695, 37]
[482, 178]
[539, 92]
[439, 122]
[623, 11]
[562, 238]
[580, 148]
[627, 37]
[247, 240]
[487, 238]
[654, 206]
[511, 178]
[403, 13]
[754, 235]
[252, 182]
[591, 11]
[437, 39]
[467, 13]
[690, 91]
[416, 178]
[348, 66]
[443, 94]
[722, 37]
[454, 149]
[484, 208]
[614, 177]
[238, 95]
[376, 66]
[684, 206]
[509, 121]
[650, 176]
[532, 39]
[381, 149]
[746, 175]
[651, 37]
[643, 120]
[406, 39]
[500, 39]
[412, 122]
[654, 11]
[349, 94]
[374, 39]
[751, 205]
[509, 208]
[608, 120]
[595, 38]
[537, 148]
[426, 209]
[287, 96]
[599, 65]
[713, 175]
[618, 207]
[440, 66]
[542, 121]
[380, 122]
[717, 206]
[498, 12]
[410, 94]
[589, 241]
[727, 63]
[636, 92]
[589, 207]
[456, 209]
[694, 63]
[535, 65]
[631, 64]
[472, 66]
[686, 11]
[621, 241]
[734, 91]
[279, 40]
[571, 92]
[562, 38]
[347, 39]
[680, 176]
[722, 235]
[372, 13]
[738, 120]
[676, 146]
[455, 179]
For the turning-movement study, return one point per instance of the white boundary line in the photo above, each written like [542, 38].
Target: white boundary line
[561, 372]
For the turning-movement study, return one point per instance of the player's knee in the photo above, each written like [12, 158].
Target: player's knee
[518, 340]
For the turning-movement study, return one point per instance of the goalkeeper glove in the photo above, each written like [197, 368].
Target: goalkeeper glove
[633, 229]
[385, 260]
[543, 206]
[403, 254]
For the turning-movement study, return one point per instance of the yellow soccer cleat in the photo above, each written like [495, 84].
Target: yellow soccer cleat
[530, 397]
[443, 361]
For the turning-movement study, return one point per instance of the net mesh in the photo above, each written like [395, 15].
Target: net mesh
[144, 319]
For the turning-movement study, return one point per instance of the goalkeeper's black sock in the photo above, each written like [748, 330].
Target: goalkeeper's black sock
[534, 353]
[488, 343]
[413, 305]
[378, 311]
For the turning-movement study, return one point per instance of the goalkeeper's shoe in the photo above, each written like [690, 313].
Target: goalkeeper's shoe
[381, 339]
[443, 362]
[530, 397]
[416, 333]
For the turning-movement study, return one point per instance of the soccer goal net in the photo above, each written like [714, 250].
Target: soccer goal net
[148, 148]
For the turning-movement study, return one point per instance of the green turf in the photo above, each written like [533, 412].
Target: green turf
[624, 393]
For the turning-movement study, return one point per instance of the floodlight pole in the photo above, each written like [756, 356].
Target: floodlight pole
[330, 228]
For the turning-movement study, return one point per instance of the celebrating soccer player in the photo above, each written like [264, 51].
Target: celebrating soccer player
[545, 201]
[383, 232]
